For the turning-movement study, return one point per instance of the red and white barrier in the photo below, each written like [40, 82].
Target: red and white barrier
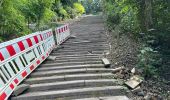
[19, 57]
[62, 33]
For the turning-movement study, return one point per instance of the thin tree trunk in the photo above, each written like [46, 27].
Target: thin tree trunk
[141, 15]
[148, 14]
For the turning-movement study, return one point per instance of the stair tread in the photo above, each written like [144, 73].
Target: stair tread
[70, 66]
[106, 98]
[66, 76]
[72, 82]
[78, 90]
[67, 71]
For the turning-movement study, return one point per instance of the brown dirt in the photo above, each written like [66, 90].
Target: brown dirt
[124, 51]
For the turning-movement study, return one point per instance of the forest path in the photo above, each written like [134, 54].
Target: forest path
[78, 72]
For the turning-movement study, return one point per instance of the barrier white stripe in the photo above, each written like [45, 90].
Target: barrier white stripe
[62, 33]
[19, 57]
[12, 57]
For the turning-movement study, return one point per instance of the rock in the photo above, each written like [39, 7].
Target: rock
[147, 97]
[137, 89]
[20, 89]
[139, 71]
[133, 82]
[133, 71]
[106, 62]
[141, 93]
[53, 58]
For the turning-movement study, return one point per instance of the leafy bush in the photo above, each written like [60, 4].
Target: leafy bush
[148, 61]
[63, 13]
[71, 11]
[79, 8]
[134, 17]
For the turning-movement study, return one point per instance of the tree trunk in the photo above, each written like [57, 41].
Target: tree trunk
[148, 14]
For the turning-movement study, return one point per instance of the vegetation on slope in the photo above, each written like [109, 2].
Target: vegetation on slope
[147, 21]
[20, 17]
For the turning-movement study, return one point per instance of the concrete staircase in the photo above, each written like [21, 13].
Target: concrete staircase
[78, 72]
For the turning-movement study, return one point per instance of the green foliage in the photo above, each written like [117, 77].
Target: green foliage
[11, 20]
[149, 17]
[92, 6]
[20, 17]
[120, 13]
[79, 8]
[148, 61]
[63, 13]
[71, 11]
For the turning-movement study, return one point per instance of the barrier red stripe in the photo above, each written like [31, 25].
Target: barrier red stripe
[11, 86]
[16, 81]
[1, 57]
[31, 67]
[41, 37]
[21, 46]
[38, 61]
[43, 57]
[36, 39]
[11, 50]
[29, 42]
[62, 29]
[3, 96]
[24, 74]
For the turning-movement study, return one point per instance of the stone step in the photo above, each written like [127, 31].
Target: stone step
[70, 63]
[77, 53]
[55, 78]
[79, 92]
[84, 45]
[73, 60]
[85, 48]
[106, 98]
[75, 56]
[70, 67]
[84, 42]
[69, 71]
[71, 84]
[80, 50]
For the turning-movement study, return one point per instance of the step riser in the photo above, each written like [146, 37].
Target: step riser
[113, 92]
[106, 98]
[83, 71]
[66, 47]
[70, 85]
[84, 51]
[69, 53]
[71, 63]
[85, 44]
[69, 78]
[81, 49]
[72, 60]
[71, 67]
[76, 57]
